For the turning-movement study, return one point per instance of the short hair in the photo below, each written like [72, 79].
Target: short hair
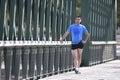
[78, 16]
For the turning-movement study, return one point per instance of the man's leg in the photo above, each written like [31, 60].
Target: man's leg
[79, 57]
[75, 60]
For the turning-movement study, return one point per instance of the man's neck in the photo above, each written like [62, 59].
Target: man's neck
[77, 24]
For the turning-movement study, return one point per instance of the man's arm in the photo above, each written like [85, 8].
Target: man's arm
[86, 38]
[64, 36]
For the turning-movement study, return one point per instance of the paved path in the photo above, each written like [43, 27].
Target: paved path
[106, 71]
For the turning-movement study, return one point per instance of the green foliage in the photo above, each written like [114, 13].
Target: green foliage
[78, 7]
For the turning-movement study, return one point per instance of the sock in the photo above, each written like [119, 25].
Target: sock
[77, 69]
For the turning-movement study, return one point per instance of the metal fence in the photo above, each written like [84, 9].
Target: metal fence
[99, 16]
[34, 60]
[35, 19]
[26, 27]
[30, 30]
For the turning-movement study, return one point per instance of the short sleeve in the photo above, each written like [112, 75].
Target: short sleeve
[85, 29]
[69, 29]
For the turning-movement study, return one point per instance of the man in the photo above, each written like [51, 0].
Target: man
[77, 30]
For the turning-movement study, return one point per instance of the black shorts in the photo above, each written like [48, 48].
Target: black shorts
[79, 45]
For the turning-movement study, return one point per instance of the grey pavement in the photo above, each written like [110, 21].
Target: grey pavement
[106, 71]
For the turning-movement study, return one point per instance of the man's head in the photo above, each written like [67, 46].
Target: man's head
[77, 20]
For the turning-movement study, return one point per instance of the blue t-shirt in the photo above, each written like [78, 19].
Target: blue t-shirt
[76, 31]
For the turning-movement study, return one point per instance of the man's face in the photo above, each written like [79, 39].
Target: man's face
[77, 20]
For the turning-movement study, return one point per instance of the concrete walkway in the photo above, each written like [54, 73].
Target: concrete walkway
[106, 71]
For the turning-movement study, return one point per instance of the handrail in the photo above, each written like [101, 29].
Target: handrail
[103, 42]
[32, 43]
[36, 43]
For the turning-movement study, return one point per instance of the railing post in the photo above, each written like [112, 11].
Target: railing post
[57, 59]
[42, 18]
[8, 54]
[39, 60]
[32, 60]
[25, 60]
[54, 21]
[3, 7]
[16, 69]
[51, 60]
[1, 57]
[48, 19]
[62, 59]
[45, 60]
[21, 23]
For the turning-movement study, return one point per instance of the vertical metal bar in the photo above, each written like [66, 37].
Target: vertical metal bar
[115, 18]
[101, 51]
[73, 10]
[21, 33]
[91, 48]
[62, 59]
[21, 36]
[0, 6]
[69, 17]
[51, 60]
[32, 57]
[54, 21]
[57, 59]
[70, 3]
[1, 53]
[12, 36]
[99, 32]
[3, 8]
[64, 17]
[45, 60]
[17, 63]
[70, 58]
[115, 24]
[8, 52]
[39, 60]
[90, 59]
[113, 35]
[42, 19]
[25, 62]
[28, 34]
[13, 62]
[66, 58]
[68, 51]
[59, 19]
[48, 19]
[91, 18]
[97, 20]
[96, 54]
[12, 29]
[85, 20]
[36, 19]
[93, 58]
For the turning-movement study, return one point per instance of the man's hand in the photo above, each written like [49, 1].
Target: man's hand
[86, 38]
[61, 40]
[83, 41]
[64, 36]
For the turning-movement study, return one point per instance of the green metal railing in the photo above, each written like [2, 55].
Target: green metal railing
[99, 17]
[30, 30]
[24, 24]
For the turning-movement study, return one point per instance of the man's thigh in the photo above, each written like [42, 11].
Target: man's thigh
[74, 52]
